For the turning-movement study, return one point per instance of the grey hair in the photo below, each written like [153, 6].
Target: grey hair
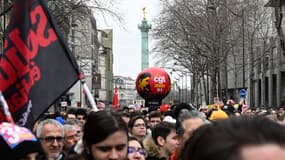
[186, 114]
[74, 122]
[68, 127]
[48, 121]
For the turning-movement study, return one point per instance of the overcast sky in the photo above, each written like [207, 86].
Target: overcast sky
[127, 42]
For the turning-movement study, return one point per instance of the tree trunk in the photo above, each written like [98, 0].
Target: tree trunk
[205, 90]
[213, 89]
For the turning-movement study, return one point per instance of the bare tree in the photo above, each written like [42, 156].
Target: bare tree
[74, 12]
[202, 35]
[67, 12]
[195, 33]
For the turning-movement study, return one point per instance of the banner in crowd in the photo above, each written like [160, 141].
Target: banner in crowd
[36, 66]
[116, 99]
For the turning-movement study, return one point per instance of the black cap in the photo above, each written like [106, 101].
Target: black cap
[181, 106]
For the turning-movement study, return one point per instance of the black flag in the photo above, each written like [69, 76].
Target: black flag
[36, 67]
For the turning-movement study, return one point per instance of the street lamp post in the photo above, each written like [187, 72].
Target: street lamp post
[186, 85]
[176, 90]
[243, 52]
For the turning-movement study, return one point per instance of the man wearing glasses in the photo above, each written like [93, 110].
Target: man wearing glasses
[51, 135]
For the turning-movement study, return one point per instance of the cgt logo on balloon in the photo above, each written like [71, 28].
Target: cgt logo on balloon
[159, 83]
[153, 84]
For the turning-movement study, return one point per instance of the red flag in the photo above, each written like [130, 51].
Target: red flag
[116, 99]
[36, 67]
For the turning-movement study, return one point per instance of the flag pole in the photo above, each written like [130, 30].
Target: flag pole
[88, 93]
[6, 111]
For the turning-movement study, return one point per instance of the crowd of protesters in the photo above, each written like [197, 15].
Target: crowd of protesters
[180, 131]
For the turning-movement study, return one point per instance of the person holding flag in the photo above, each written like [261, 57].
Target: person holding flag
[37, 66]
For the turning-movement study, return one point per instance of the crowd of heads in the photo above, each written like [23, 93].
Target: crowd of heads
[176, 132]
[237, 138]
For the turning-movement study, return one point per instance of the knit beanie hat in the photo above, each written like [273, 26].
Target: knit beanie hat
[16, 142]
[218, 114]
[60, 120]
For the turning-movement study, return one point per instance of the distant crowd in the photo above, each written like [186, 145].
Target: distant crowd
[176, 132]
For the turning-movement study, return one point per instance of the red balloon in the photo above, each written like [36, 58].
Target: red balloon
[153, 84]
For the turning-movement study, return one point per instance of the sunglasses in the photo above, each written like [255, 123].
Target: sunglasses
[141, 151]
[51, 139]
